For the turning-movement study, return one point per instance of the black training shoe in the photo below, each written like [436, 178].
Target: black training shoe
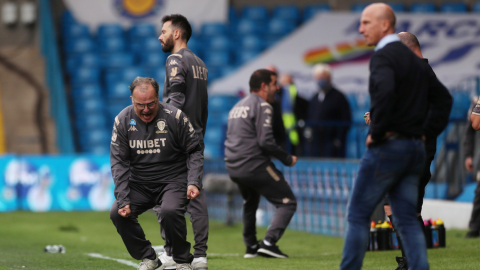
[251, 252]
[473, 234]
[402, 263]
[270, 251]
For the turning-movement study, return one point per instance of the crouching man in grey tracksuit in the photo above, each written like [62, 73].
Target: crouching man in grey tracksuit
[248, 148]
[156, 159]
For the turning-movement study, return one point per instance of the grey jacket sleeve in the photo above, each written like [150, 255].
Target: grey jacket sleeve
[469, 140]
[191, 145]
[265, 137]
[176, 77]
[120, 163]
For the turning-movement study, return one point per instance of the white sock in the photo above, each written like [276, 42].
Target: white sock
[267, 243]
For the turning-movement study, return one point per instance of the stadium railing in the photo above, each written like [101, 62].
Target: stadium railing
[55, 82]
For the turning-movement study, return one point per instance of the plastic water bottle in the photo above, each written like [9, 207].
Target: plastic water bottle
[373, 243]
[54, 249]
[441, 233]
[435, 242]
[383, 230]
[393, 237]
[428, 229]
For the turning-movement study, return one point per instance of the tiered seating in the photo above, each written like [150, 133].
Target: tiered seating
[453, 7]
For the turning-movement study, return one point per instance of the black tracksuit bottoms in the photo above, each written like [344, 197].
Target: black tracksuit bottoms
[270, 183]
[173, 201]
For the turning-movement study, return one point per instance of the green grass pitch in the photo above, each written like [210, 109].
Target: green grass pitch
[23, 235]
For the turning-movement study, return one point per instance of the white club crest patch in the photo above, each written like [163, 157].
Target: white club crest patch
[161, 125]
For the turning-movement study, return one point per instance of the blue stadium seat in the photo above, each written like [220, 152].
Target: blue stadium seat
[142, 30]
[453, 7]
[195, 45]
[476, 7]
[311, 10]
[152, 44]
[252, 42]
[221, 103]
[67, 18]
[249, 27]
[220, 43]
[158, 73]
[95, 136]
[114, 109]
[213, 29]
[98, 149]
[110, 30]
[213, 151]
[257, 13]
[214, 73]
[214, 135]
[91, 121]
[280, 27]
[153, 59]
[128, 74]
[82, 60]
[243, 56]
[79, 45]
[119, 90]
[359, 7]
[87, 90]
[423, 7]
[217, 59]
[226, 70]
[118, 59]
[111, 44]
[82, 106]
[75, 30]
[232, 15]
[83, 75]
[397, 6]
[288, 12]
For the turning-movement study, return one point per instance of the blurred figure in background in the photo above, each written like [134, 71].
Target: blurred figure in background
[469, 146]
[329, 111]
[294, 113]
[277, 125]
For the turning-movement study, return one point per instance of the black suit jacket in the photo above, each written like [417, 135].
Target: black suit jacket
[403, 89]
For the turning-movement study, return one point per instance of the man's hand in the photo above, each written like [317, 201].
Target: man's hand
[469, 164]
[125, 211]
[294, 161]
[367, 118]
[192, 192]
[369, 140]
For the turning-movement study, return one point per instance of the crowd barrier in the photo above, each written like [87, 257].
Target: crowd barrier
[84, 183]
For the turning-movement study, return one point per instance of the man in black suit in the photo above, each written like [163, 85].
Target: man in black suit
[401, 86]
[441, 120]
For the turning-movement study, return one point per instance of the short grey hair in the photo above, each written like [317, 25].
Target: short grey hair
[320, 68]
[144, 80]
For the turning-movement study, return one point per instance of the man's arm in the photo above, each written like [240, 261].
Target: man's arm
[382, 93]
[475, 116]
[191, 145]
[440, 104]
[265, 138]
[120, 163]
[176, 77]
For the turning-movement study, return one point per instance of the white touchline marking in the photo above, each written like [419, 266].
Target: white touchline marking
[100, 256]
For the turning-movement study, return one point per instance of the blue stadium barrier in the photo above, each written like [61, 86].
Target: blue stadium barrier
[453, 7]
[422, 7]
[468, 193]
[311, 10]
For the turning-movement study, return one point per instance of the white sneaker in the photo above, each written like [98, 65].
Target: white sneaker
[184, 266]
[147, 264]
[167, 262]
[200, 263]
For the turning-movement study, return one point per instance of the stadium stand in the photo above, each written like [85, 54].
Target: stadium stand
[422, 7]
[453, 7]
